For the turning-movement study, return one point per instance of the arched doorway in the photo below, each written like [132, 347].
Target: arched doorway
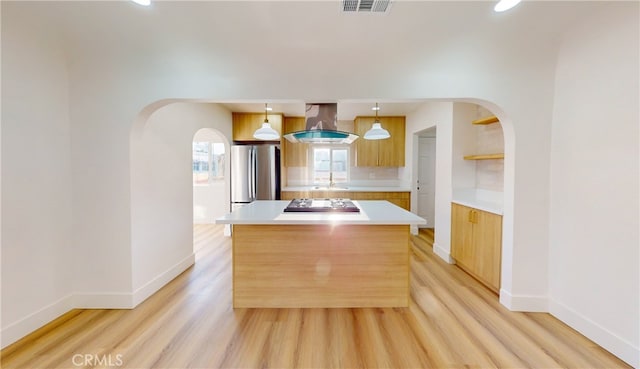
[209, 161]
[162, 188]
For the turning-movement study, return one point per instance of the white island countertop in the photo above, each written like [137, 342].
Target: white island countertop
[372, 212]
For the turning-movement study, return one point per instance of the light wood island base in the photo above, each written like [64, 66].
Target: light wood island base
[330, 266]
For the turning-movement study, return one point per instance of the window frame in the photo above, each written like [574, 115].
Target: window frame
[331, 148]
[210, 163]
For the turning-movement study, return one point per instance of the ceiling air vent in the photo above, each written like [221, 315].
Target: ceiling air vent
[372, 6]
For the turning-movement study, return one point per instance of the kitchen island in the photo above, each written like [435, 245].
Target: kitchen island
[320, 259]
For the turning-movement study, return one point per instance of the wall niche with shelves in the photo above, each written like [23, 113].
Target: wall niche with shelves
[478, 149]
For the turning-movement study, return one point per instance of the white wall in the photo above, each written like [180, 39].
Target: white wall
[210, 201]
[440, 115]
[465, 142]
[162, 188]
[36, 181]
[593, 259]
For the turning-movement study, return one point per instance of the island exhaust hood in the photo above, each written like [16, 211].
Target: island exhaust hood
[321, 127]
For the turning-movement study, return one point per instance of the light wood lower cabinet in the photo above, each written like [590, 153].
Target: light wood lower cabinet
[400, 198]
[476, 242]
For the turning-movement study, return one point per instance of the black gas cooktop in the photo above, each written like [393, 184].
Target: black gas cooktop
[321, 205]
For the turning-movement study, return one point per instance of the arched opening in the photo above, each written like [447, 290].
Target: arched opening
[449, 127]
[210, 159]
[151, 211]
[162, 188]
[209, 183]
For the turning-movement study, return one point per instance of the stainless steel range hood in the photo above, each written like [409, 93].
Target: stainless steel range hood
[321, 137]
[321, 124]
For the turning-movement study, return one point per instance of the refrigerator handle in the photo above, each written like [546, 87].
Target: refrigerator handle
[250, 174]
[252, 170]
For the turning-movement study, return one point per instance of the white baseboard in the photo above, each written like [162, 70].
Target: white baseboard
[600, 335]
[528, 303]
[111, 300]
[151, 287]
[443, 254]
[14, 331]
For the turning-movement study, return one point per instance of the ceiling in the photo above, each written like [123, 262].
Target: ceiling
[347, 110]
[306, 40]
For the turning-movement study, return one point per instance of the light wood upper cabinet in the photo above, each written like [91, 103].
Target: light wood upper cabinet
[294, 154]
[380, 153]
[391, 150]
[476, 241]
[245, 124]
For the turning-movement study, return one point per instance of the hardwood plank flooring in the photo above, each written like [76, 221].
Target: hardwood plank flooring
[452, 322]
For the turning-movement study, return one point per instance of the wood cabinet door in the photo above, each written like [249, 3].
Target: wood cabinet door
[381, 153]
[294, 154]
[462, 249]
[366, 150]
[245, 124]
[391, 150]
[488, 245]
[476, 243]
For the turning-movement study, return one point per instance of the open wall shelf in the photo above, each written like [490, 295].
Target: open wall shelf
[484, 156]
[486, 120]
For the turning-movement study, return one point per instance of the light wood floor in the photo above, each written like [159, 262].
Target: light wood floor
[452, 322]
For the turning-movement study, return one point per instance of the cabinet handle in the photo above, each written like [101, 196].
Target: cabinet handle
[473, 216]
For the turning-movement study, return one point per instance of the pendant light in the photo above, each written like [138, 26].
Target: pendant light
[376, 132]
[266, 132]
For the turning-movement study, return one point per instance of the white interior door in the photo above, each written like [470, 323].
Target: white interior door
[426, 188]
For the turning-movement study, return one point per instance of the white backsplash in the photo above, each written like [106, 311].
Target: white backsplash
[359, 176]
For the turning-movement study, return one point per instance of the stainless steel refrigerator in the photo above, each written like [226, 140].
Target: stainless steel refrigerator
[255, 173]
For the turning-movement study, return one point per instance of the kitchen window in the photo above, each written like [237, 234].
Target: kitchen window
[330, 164]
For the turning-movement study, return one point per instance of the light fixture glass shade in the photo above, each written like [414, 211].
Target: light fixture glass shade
[376, 132]
[503, 5]
[266, 132]
[142, 2]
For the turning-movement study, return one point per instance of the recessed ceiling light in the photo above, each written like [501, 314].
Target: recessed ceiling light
[142, 2]
[503, 5]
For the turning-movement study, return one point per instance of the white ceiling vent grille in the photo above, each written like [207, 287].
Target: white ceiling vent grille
[371, 6]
